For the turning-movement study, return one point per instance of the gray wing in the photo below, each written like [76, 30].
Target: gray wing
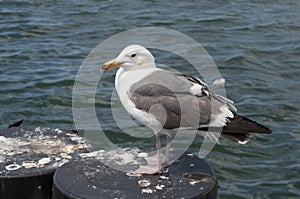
[167, 83]
[168, 97]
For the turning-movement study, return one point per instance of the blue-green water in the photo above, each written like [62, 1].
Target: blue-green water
[256, 46]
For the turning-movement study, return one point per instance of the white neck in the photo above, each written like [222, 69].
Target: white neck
[119, 75]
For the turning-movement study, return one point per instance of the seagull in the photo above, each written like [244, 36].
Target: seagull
[165, 102]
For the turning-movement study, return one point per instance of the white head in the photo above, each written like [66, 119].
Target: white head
[133, 57]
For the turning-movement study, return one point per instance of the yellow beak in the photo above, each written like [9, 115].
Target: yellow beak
[110, 65]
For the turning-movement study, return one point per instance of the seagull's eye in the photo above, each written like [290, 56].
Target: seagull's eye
[133, 55]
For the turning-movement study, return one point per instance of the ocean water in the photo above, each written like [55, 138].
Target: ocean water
[256, 46]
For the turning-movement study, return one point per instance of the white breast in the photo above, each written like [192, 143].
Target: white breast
[124, 80]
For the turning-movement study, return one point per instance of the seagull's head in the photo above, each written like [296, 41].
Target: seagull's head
[132, 57]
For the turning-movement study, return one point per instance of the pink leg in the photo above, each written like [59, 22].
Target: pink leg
[158, 146]
[169, 139]
[153, 163]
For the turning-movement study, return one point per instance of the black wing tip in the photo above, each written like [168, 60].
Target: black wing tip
[268, 131]
[16, 124]
[258, 128]
[241, 124]
[240, 128]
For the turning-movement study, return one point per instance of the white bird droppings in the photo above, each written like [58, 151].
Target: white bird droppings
[29, 164]
[159, 187]
[142, 155]
[13, 167]
[193, 182]
[148, 190]
[132, 174]
[144, 183]
[164, 177]
[44, 161]
[65, 155]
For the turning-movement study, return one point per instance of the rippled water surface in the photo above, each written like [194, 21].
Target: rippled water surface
[255, 44]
